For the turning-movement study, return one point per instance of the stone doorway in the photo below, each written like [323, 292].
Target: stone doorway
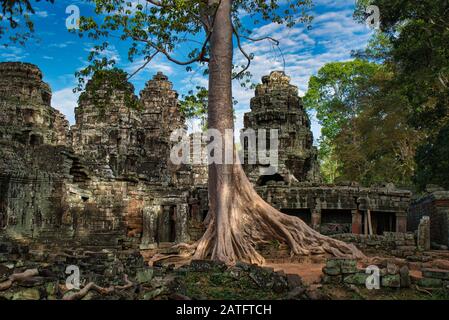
[166, 225]
[335, 221]
[304, 214]
[381, 222]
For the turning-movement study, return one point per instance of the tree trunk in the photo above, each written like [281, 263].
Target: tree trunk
[238, 217]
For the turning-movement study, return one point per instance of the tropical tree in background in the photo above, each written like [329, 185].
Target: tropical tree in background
[366, 136]
[417, 33]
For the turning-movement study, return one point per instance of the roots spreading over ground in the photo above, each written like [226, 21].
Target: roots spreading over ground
[31, 273]
[250, 220]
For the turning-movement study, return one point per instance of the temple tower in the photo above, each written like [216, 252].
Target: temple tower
[277, 105]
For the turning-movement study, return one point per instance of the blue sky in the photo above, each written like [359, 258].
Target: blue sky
[59, 53]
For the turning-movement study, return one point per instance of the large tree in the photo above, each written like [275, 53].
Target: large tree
[238, 217]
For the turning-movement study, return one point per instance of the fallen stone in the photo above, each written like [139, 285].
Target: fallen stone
[207, 265]
[436, 274]
[430, 283]
[331, 271]
[294, 281]
[296, 293]
[357, 278]
[348, 266]
[144, 275]
[27, 294]
[391, 281]
[332, 279]
[405, 277]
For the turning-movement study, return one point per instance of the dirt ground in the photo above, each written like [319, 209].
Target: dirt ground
[309, 272]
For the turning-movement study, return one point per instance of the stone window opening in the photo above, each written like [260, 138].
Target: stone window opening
[304, 214]
[264, 180]
[36, 140]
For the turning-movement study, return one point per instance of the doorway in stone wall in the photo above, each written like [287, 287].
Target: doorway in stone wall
[166, 225]
[335, 221]
[304, 214]
[383, 222]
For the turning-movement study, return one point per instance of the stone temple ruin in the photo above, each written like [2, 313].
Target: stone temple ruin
[108, 182]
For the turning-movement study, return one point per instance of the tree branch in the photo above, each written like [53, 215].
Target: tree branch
[248, 58]
[276, 42]
[199, 58]
[143, 66]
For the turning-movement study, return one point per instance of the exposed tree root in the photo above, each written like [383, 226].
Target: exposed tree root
[92, 286]
[249, 221]
[17, 277]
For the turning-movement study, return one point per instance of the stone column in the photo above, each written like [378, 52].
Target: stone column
[149, 226]
[195, 212]
[401, 222]
[424, 234]
[182, 223]
[316, 219]
[356, 222]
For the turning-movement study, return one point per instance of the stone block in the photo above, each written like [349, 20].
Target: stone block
[436, 274]
[430, 283]
[357, 279]
[391, 281]
[144, 275]
[335, 271]
[349, 266]
[332, 279]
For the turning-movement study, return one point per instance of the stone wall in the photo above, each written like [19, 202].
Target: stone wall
[346, 271]
[105, 183]
[397, 244]
[435, 205]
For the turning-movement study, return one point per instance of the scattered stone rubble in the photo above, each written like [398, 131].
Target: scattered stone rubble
[346, 271]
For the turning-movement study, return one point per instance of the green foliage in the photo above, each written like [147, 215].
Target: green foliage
[432, 159]
[365, 136]
[105, 84]
[194, 105]
[15, 21]
[418, 34]
[333, 93]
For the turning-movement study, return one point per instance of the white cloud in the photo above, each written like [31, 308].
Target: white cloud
[41, 14]
[333, 35]
[65, 101]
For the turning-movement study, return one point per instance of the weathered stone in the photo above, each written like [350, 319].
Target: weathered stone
[294, 281]
[430, 283]
[349, 266]
[27, 294]
[296, 293]
[5, 272]
[436, 274]
[332, 279]
[207, 265]
[332, 271]
[144, 275]
[405, 277]
[391, 281]
[357, 279]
